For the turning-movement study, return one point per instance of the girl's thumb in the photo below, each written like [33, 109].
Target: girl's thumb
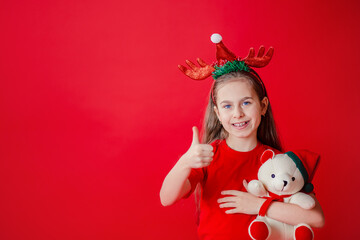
[195, 139]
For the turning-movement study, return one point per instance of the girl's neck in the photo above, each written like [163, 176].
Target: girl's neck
[242, 144]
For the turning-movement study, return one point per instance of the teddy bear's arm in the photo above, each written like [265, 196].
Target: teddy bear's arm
[255, 187]
[303, 200]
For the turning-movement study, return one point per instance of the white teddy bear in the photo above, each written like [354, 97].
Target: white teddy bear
[281, 177]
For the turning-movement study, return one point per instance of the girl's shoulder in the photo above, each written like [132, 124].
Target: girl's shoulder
[259, 149]
[215, 144]
[265, 147]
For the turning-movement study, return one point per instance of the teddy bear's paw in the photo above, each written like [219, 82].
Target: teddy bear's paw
[303, 200]
[308, 205]
[256, 188]
[303, 232]
[259, 230]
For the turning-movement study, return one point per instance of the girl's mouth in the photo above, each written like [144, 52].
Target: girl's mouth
[241, 124]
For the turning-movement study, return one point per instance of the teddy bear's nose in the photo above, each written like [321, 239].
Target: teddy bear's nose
[285, 183]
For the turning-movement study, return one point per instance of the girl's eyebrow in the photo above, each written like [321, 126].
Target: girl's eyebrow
[241, 100]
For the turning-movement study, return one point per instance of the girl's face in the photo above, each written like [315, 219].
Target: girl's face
[239, 109]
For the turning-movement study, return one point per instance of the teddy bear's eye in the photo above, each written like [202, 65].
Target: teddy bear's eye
[293, 178]
[273, 175]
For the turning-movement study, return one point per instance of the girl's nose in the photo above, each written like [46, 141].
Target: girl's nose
[238, 112]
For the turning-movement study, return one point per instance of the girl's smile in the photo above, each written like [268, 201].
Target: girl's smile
[240, 125]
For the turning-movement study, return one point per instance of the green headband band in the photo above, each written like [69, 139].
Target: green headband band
[230, 66]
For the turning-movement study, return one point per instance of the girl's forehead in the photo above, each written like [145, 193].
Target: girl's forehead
[234, 89]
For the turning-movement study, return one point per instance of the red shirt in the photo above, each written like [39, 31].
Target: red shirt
[226, 172]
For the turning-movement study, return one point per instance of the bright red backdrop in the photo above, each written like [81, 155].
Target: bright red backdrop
[94, 112]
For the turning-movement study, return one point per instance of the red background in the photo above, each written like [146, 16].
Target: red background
[94, 111]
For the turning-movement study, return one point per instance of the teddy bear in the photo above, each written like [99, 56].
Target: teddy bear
[283, 177]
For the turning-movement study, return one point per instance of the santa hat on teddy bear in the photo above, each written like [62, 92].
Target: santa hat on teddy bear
[306, 162]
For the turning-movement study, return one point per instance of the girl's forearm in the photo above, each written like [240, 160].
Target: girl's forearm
[176, 184]
[293, 214]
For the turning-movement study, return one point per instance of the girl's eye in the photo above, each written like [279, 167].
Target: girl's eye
[246, 103]
[227, 106]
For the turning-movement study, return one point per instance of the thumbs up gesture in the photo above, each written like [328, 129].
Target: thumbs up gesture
[199, 155]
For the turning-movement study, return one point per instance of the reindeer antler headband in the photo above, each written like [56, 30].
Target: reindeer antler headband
[227, 62]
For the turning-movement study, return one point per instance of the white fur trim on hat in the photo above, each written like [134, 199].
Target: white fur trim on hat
[216, 38]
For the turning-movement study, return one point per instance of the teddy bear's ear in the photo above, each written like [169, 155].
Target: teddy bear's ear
[267, 154]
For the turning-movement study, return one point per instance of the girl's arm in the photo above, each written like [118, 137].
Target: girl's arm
[243, 202]
[176, 183]
[294, 214]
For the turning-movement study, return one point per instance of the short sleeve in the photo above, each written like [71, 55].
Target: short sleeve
[196, 176]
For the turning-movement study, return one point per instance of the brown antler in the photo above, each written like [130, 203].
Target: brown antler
[260, 60]
[195, 72]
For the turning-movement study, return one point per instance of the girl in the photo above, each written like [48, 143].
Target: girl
[238, 128]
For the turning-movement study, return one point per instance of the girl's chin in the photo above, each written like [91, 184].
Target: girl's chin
[241, 133]
[236, 136]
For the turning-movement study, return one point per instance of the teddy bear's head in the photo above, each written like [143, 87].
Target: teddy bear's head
[288, 173]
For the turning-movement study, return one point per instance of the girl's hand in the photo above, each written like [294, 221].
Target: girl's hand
[241, 202]
[199, 155]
